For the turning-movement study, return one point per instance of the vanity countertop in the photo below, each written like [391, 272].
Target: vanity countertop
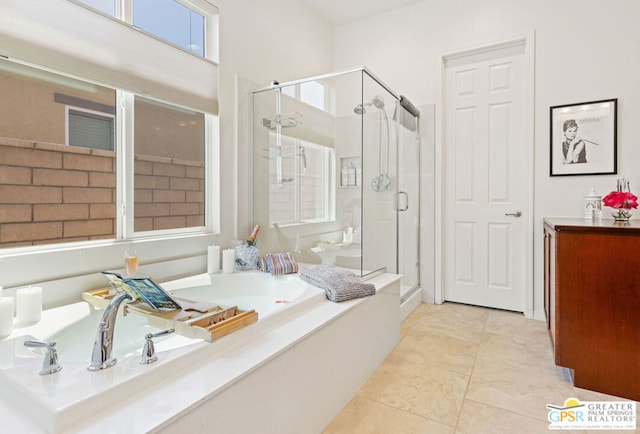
[578, 224]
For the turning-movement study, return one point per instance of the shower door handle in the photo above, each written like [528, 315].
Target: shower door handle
[401, 205]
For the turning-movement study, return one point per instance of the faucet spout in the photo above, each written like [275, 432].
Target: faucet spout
[103, 346]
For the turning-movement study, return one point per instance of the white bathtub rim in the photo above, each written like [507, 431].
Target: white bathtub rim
[339, 309]
[62, 412]
[210, 358]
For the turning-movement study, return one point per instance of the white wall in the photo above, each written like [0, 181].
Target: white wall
[585, 50]
[260, 41]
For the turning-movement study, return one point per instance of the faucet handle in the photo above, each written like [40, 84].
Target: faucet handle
[50, 363]
[149, 350]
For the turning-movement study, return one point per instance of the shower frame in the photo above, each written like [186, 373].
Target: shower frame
[364, 271]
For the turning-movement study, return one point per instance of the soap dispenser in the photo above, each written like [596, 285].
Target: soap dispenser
[593, 205]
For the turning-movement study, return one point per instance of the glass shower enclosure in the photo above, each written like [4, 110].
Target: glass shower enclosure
[336, 174]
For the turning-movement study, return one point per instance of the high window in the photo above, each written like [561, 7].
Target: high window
[106, 6]
[312, 92]
[171, 21]
[181, 23]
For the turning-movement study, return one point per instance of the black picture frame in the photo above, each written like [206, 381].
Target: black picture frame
[583, 138]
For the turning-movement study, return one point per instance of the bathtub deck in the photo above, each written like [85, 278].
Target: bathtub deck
[293, 376]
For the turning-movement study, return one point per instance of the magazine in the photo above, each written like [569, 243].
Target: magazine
[145, 289]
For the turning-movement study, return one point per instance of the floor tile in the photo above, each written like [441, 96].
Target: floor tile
[522, 388]
[463, 369]
[366, 416]
[449, 353]
[478, 418]
[420, 389]
[529, 332]
[449, 319]
[502, 348]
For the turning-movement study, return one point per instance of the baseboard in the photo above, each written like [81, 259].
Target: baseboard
[410, 304]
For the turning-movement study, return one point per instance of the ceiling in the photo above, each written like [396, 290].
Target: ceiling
[343, 11]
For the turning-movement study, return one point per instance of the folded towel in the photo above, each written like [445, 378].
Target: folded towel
[278, 263]
[338, 284]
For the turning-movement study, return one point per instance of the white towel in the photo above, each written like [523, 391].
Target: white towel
[338, 284]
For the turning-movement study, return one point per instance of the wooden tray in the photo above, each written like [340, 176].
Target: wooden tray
[201, 320]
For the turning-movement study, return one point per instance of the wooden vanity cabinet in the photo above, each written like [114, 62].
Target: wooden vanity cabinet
[592, 302]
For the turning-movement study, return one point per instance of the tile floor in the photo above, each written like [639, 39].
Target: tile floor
[462, 369]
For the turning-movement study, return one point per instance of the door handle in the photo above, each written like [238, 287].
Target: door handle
[517, 213]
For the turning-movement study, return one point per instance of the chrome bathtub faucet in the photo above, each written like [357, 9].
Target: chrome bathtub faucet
[101, 357]
[149, 350]
[50, 363]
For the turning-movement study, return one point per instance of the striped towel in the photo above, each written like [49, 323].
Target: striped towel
[278, 263]
[338, 284]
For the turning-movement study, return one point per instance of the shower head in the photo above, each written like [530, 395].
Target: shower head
[376, 101]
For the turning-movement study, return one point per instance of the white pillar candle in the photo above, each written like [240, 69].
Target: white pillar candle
[6, 316]
[228, 260]
[213, 259]
[28, 305]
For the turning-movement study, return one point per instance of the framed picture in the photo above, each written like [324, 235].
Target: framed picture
[583, 138]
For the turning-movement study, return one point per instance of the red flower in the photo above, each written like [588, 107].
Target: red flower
[621, 199]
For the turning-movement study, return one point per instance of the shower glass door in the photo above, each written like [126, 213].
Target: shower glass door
[335, 174]
[379, 173]
[407, 202]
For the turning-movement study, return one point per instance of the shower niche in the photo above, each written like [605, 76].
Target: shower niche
[336, 173]
[350, 172]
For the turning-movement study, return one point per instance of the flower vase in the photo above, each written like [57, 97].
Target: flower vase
[621, 214]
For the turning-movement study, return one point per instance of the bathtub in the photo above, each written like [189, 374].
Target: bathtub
[248, 290]
[190, 374]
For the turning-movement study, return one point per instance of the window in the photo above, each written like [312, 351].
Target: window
[89, 159]
[301, 180]
[313, 93]
[174, 21]
[171, 21]
[90, 129]
[169, 181]
[106, 6]
[50, 192]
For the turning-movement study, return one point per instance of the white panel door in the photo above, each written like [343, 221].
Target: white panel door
[485, 179]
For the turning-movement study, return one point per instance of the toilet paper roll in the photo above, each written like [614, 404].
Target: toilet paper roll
[213, 259]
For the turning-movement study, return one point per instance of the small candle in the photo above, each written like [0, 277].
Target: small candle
[228, 260]
[28, 305]
[6, 316]
[213, 259]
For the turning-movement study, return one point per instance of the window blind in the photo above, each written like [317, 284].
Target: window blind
[69, 38]
[90, 130]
